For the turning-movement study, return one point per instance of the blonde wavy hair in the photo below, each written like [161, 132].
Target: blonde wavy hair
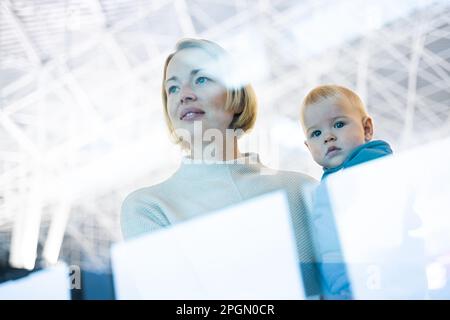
[335, 93]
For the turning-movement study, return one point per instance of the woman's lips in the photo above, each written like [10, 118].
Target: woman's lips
[191, 114]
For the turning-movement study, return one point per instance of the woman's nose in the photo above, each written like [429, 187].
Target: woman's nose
[187, 95]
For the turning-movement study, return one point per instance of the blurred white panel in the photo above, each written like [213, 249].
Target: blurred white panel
[392, 218]
[242, 252]
[48, 284]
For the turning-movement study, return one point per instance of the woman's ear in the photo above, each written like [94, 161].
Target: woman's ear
[368, 128]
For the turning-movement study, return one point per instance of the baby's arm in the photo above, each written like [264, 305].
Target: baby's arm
[327, 248]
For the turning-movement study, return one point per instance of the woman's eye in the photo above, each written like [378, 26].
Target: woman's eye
[201, 80]
[315, 133]
[172, 89]
[339, 124]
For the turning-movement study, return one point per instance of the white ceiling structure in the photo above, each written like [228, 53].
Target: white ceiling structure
[81, 121]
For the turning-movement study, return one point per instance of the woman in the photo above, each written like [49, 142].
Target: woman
[206, 110]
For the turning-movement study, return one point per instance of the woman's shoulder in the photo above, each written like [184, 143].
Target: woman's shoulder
[298, 175]
[147, 194]
[145, 208]
[292, 181]
[139, 194]
[143, 211]
[291, 176]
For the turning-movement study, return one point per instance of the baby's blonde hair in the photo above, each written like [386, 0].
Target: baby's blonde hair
[334, 93]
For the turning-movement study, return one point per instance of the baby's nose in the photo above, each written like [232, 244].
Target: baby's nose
[330, 138]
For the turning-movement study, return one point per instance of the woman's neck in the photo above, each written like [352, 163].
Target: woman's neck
[216, 151]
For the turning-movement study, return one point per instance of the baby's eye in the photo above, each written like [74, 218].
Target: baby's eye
[201, 80]
[172, 89]
[339, 124]
[315, 133]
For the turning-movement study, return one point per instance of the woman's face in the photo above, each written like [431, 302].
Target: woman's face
[196, 92]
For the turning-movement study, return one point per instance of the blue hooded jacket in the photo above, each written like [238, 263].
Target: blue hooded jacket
[333, 274]
[365, 152]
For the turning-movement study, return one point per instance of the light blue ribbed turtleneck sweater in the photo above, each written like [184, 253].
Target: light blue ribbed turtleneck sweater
[199, 188]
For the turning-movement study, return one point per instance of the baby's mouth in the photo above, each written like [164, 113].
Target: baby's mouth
[332, 150]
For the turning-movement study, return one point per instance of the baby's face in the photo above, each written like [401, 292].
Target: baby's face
[332, 131]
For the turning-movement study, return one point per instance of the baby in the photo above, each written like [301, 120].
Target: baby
[338, 134]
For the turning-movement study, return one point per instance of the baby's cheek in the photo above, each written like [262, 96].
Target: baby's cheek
[342, 158]
[319, 156]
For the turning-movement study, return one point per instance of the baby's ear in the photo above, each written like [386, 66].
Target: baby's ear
[368, 128]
